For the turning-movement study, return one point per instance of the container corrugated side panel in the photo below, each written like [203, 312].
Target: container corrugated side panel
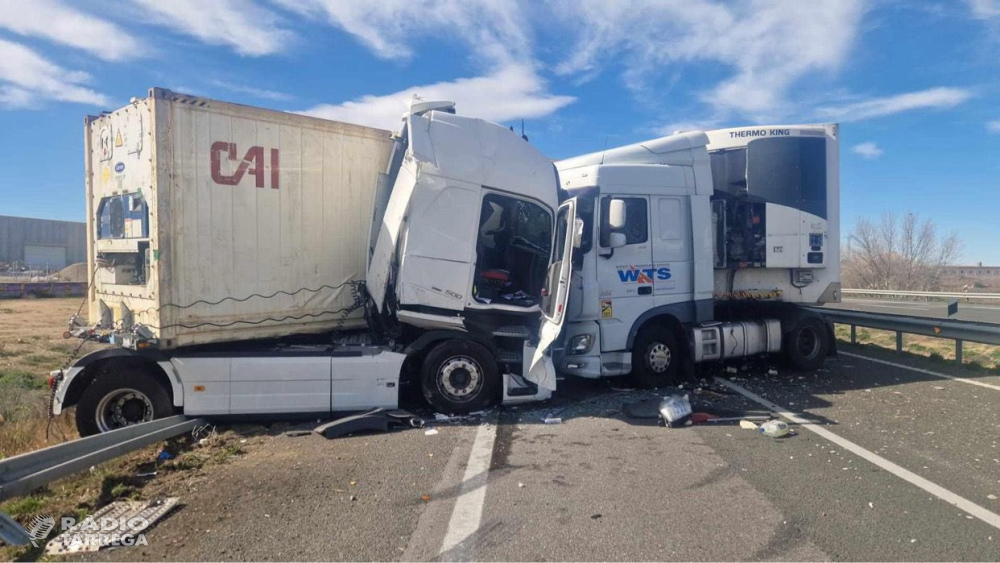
[269, 260]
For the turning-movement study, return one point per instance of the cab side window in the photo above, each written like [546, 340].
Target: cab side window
[636, 227]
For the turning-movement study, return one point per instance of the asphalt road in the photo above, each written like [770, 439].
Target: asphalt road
[933, 309]
[609, 484]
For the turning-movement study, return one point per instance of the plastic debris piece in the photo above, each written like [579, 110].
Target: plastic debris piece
[430, 431]
[353, 498]
[774, 428]
[871, 505]
[731, 369]
[520, 485]
[939, 388]
[702, 417]
[772, 371]
[164, 456]
[747, 425]
[147, 474]
[552, 420]
[595, 516]
[295, 433]
[86, 535]
[353, 483]
[675, 410]
[991, 496]
[425, 498]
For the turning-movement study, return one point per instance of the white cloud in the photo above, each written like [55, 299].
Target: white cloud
[494, 30]
[515, 91]
[868, 150]
[932, 98]
[260, 93]
[27, 79]
[993, 126]
[239, 24]
[54, 21]
[768, 47]
[984, 9]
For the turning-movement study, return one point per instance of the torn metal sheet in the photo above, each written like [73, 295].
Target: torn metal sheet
[118, 523]
[378, 420]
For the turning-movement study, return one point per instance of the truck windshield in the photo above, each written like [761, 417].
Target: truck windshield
[512, 251]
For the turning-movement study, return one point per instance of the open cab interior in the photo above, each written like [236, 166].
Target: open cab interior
[514, 242]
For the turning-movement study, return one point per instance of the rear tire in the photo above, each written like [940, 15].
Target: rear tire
[805, 346]
[459, 377]
[656, 358]
[119, 399]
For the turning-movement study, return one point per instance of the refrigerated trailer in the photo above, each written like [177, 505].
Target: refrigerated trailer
[252, 262]
[703, 246]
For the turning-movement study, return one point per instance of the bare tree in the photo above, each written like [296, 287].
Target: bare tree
[900, 252]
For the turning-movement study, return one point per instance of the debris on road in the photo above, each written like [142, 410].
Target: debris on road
[731, 369]
[675, 410]
[747, 425]
[90, 534]
[520, 485]
[425, 498]
[430, 431]
[295, 433]
[552, 420]
[697, 417]
[378, 420]
[774, 428]
[164, 456]
[772, 371]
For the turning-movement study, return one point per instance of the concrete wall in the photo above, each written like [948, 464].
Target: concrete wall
[16, 232]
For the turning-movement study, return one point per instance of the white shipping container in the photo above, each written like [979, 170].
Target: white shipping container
[211, 222]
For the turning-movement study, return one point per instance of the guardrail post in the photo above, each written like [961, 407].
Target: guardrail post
[958, 351]
[854, 334]
[899, 341]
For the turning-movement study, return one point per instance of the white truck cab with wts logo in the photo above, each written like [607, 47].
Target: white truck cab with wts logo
[702, 246]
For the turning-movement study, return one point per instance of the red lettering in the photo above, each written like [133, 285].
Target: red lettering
[253, 163]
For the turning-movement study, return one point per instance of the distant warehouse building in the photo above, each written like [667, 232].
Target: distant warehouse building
[42, 243]
[977, 271]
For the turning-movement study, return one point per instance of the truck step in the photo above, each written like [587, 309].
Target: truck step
[512, 331]
[510, 357]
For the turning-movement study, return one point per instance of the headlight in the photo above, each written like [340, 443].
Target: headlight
[580, 344]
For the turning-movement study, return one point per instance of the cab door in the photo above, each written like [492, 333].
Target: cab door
[540, 370]
[673, 259]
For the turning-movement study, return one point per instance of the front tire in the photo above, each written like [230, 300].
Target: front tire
[656, 358]
[120, 399]
[459, 377]
[807, 344]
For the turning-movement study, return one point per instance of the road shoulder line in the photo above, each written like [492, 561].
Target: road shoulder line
[468, 511]
[921, 370]
[940, 492]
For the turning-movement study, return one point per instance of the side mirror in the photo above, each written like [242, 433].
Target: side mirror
[616, 214]
[616, 240]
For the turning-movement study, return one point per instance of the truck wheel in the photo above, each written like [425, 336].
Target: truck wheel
[117, 400]
[459, 377]
[806, 345]
[656, 358]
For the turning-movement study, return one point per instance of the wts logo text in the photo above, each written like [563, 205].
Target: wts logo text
[643, 275]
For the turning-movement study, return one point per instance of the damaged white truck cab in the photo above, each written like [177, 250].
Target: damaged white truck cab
[703, 246]
[465, 256]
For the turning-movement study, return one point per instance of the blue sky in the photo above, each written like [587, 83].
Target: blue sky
[915, 85]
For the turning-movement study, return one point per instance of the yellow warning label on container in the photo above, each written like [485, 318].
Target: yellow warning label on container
[118, 138]
[606, 311]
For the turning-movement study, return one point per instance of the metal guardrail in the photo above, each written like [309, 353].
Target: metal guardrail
[959, 331]
[23, 473]
[941, 294]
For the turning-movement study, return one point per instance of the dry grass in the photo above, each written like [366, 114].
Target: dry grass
[974, 355]
[31, 345]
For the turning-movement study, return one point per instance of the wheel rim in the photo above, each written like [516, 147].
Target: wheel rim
[808, 343]
[658, 357]
[460, 378]
[123, 407]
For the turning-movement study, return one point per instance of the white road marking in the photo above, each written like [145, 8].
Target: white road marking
[468, 511]
[927, 371]
[944, 494]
